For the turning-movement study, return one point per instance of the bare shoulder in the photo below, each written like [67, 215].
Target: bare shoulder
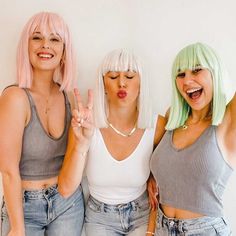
[13, 100]
[160, 128]
[11, 93]
[232, 108]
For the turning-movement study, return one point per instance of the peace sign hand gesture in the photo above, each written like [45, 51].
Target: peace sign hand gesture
[82, 121]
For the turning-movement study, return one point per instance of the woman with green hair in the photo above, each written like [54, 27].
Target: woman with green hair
[197, 154]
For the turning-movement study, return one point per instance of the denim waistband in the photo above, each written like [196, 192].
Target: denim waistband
[117, 207]
[188, 224]
[40, 193]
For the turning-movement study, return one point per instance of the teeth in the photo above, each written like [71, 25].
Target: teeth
[45, 55]
[193, 90]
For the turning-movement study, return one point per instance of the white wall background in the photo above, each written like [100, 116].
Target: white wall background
[155, 29]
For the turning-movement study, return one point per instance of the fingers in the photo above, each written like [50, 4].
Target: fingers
[153, 200]
[152, 193]
[79, 102]
[81, 123]
[78, 99]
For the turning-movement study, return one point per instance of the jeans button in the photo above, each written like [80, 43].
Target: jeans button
[46, 192]
[172, 223]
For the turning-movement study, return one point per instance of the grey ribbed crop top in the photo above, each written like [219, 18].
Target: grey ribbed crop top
[193, 178]
[42, 155]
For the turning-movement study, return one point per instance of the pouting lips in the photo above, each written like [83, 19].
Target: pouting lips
[122, 94]
[195, 93]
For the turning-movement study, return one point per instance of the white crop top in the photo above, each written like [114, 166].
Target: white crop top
[116, 182]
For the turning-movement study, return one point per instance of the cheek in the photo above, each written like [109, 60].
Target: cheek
[108, 89]
[136, 86]
[60, 50]
[179, 85]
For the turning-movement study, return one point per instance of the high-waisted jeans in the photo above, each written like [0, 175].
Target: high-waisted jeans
[203, 226]
[46, 212]
[117, 220]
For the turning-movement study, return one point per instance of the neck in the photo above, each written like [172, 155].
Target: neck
[43, 83]
[122, 117]
[197, 116]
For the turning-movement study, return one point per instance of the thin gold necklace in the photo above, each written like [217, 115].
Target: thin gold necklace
[47, 109]
[121, 133]
[185, 125]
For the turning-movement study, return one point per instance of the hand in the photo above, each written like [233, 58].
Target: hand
[152, 192]
[82, 120]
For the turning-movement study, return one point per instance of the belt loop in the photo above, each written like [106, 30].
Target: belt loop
[162, 220]
[102, 206]
[180, 226]
[134, 205]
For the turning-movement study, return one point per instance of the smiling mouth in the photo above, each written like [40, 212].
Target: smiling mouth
[194, 93]
[45, 55]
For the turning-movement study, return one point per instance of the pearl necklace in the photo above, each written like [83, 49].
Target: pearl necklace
[122, 134]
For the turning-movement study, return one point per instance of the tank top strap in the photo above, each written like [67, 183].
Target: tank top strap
[30, 98]
[66, 98]
[68, 108]
[11, 85]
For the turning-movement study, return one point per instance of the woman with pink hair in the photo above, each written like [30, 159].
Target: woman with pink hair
[34, 122]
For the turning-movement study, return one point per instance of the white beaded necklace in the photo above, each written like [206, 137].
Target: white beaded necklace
[122, 134]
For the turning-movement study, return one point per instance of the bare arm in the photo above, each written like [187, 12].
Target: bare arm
[151, 185]
[13, 118]
[160, 128]
[151, 223]
[227, 131]
[232, 110]
[80, 135]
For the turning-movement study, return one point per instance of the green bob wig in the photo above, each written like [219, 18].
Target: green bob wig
[188, 58]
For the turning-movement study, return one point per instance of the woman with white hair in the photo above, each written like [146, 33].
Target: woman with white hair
[197, 154]
[117, 150]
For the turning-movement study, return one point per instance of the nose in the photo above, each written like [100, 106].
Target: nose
[121, 81]
[45, 44]
[188, 79]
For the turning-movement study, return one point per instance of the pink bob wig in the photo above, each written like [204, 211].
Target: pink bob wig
[65, 73]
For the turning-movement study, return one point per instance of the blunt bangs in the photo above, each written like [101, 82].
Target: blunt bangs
[194, 56]
[120, 60]
[52, 22]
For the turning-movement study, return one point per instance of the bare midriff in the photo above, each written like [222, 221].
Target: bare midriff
[38, 184]
[172, 212]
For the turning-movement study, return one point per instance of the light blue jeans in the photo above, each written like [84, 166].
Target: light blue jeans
[117, 220]
[46, 212]
[203, 226]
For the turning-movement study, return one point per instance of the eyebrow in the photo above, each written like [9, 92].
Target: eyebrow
[51, 34]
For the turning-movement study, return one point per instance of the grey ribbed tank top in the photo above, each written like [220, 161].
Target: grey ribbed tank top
[193, 178]
[42, 155]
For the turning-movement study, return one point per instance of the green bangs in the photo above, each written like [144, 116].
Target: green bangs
[193, 56]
